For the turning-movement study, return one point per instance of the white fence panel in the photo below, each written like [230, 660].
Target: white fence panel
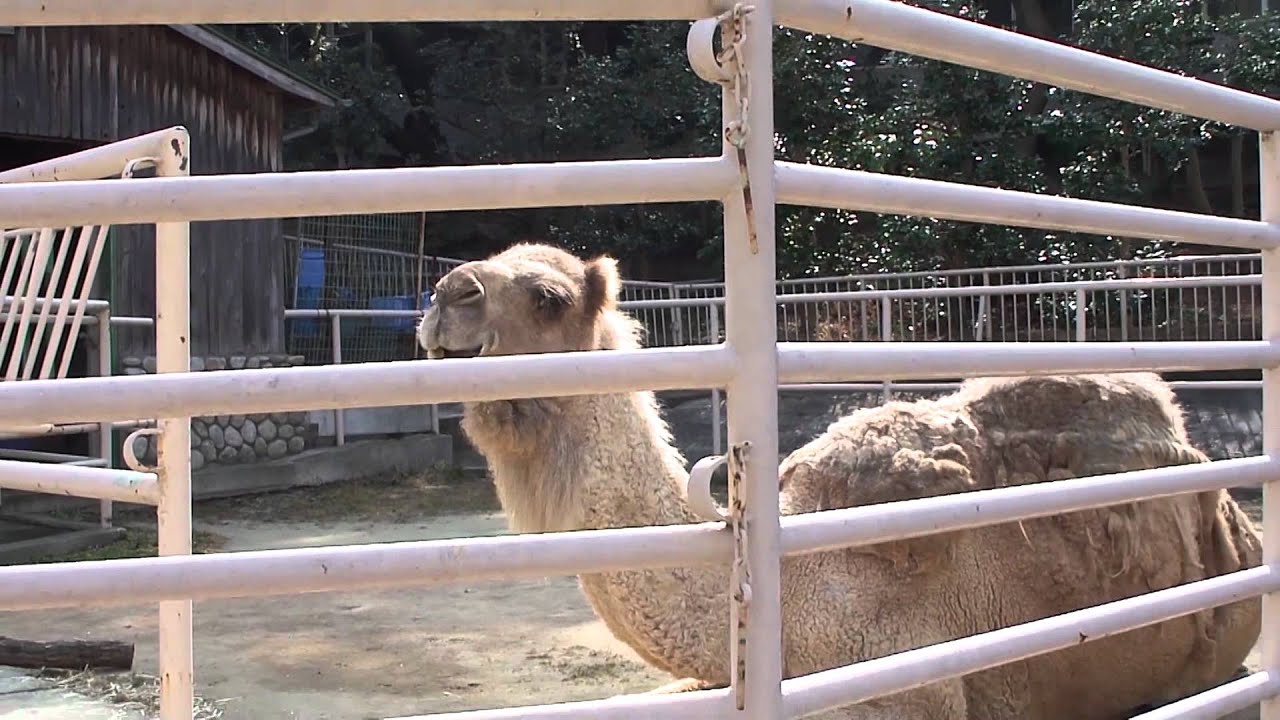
[749, 364]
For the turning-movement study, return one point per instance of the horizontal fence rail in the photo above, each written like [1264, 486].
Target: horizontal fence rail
[437, 189]
[244, 392]
[811, 694]
[79, 481]
[438, 562]
[393, 384]
[259, 573]
[146, 12]
[897, 26]
[857, 190]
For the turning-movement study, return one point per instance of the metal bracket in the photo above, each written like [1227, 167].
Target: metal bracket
[700, 46]
[135, 164]
[698, 489]
[727, 68]
[698, 492]
[130, 458]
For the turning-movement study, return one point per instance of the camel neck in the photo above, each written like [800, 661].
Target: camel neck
[587, 462]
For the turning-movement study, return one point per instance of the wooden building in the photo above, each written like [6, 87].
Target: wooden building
[63, 89]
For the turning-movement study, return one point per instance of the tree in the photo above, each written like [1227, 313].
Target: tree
[505, 92]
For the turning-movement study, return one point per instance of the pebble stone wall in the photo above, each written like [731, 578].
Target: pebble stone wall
[234, 439]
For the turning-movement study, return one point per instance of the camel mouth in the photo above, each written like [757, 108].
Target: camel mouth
[441, 353]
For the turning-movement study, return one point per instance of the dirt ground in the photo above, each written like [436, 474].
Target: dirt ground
[357, 656]
[351, 656]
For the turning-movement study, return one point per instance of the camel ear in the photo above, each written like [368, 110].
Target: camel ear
[603, 285]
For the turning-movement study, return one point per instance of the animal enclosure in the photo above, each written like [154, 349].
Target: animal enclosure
[749, 364]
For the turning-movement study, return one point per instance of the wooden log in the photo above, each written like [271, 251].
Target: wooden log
[67, 654]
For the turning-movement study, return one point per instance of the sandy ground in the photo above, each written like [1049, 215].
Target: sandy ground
[353, 656]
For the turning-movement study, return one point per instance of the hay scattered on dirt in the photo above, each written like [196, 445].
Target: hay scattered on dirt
[134, 692]
[138, 541]
[387, 498]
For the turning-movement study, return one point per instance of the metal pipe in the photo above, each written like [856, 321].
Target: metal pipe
[173, 456]
[342, 568]
[1082, 326]
[816, 362]
[105, 429]
[717, 434]
[79, 481]
[810, 694]
[339, 416]
[812, 185]
[384, 384]
[151, 12]
[902, 27]
[337, 192]
[751, 330]
[41, 456]
[30, 278]
[69, 299]
[1269, 173]
[95, 256]
[886, 335]
[95, 163]
[38, 333]
[887, 522]
[1220, 701]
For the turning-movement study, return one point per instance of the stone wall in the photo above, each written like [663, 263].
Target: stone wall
[234, 439]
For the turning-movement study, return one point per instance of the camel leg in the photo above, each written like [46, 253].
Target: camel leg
[679, 686]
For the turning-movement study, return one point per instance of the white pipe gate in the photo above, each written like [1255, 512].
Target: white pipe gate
[750, 364]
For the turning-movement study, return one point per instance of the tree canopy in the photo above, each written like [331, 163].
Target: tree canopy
[439, 94]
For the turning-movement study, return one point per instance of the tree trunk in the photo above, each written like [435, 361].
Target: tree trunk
[67, 654]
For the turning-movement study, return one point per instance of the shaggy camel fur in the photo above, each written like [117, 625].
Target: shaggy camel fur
[605, 461]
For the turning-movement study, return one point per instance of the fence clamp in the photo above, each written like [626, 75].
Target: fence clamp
[698, 492]
[728, 68]
[130, 457]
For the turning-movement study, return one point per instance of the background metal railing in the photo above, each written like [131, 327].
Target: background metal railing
[977, 305]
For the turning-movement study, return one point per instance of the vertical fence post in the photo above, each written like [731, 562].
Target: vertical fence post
[339, 416]
[886, 335]
[173, 355]
[1270, 183]
[751, 329]
[987, 323]
[1122, 273]
[677, 317]
[1082, 328]
[105, 429]
[717, 441]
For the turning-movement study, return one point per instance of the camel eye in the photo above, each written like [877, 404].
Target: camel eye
[471, 294]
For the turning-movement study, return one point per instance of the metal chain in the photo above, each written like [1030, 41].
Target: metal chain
[733, 24]
[733, 38]
[741, 585]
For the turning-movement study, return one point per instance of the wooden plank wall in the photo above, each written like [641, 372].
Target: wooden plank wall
[104, 84]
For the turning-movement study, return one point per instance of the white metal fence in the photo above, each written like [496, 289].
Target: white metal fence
[750, 364]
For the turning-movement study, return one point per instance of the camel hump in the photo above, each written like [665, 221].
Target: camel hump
[1119, 407]
[897, 451]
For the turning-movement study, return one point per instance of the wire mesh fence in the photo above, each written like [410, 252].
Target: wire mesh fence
[358, 262]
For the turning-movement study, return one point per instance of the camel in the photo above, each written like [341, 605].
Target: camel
[607, 461]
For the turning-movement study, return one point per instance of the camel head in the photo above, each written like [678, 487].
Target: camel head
[527, 299]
